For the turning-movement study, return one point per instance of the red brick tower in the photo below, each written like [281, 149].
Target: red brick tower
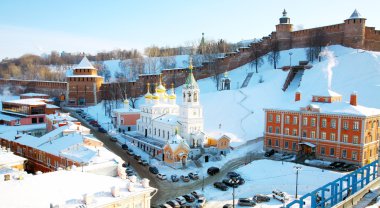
[283, 31]
[354, 30]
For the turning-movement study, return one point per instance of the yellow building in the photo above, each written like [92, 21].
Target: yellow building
[176, 151]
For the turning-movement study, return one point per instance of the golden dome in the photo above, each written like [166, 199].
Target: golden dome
[126, 101]
[160, 88]
[148, 95]
[172, 96]
[155, 96]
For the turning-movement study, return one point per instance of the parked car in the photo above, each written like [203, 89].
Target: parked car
[174, 178]
[233, 175]
[185, 178]
[279, 195]
[130, 152]
[153, 169]
[164, 206]
[220, 186]
[241, 181]
[181, 200]
[189, 198]
[96, 125]
[193, 176]
[161, 176]
[79, 111]
[144, 163]
[101, 130]
[230, 183]
[201, 202]
[228, 206]
[125, 164]
[213, 170]
[124, 146]
[93, 122]
[269, 153]
[113, 139]
[258, 198]
[197, 195]
[246, 202]
[173, 203]
[89, 119]
[336, 165]
[349, 167]
[130, 173]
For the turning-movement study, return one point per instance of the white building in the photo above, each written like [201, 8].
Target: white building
[161, 116]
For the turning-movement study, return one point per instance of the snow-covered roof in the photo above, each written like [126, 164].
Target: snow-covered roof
[51, 106]
[168, 119]
[356, 15]
[126, 110]
[7, 117]
[84, 64]
[220, 134]
[176, 141]
[31, 127]
[32, 94]
[28, 101]
[60, 117]
[66, 189]
[9, 159]
[327, 93]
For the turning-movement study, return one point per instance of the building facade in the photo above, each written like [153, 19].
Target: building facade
[83, 86]
[125, 119]
[325, 128]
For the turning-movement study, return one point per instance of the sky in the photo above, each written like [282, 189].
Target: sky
[91, 26]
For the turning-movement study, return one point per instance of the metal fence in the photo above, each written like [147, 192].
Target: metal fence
[334, 192]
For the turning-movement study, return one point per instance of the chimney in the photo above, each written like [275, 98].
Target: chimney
[297, 96]
[353, 99]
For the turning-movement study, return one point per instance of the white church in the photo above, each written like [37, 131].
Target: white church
[161, 117]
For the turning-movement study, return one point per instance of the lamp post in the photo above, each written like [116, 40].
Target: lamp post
[297, 169]
[203, 183]
[234, 182]
[290, 56]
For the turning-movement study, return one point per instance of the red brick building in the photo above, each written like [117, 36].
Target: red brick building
[326, 128]
[83, 86]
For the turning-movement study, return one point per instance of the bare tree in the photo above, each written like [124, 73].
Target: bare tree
[315, 45]
[274, 54]
[256, 56]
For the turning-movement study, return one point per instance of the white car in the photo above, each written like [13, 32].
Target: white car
[181, 200]
[161, 176]
[279, 195]
[202, 201]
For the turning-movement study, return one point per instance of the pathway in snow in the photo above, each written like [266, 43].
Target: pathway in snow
[250, 112]
[247, 79]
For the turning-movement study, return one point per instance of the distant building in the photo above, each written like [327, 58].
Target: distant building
[125, 119]
[10, 160]
[83, 86]
[225, 82]
[76, 189]
[34, 95]
[325, 128]
[54, 121]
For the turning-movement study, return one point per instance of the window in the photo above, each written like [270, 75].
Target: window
[277, 143]
[333, 123]
[324, 122]
[345, 138]
[313, 122]
[312, 134]
[277, 130]
[323, 135]
[278, 118]
[48, 161]
[270, 129]
[354, 155]
[332, 136]
[269, 142]
[295, 120]
[345, 125]
[344, 153]
[286, 145]
[332, 153]
[356, 125]
[304, 122]
[56, 164]
[287, 119]
[294, 132]
[304, 133]
[154, 131]
[34, 120]
[40, 120]
[323, 150]
[286, 131]
[356, 140]
[270, 117]
[294, 146]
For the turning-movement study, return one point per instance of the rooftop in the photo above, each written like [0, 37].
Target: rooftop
[32, 94]
[66, 189]
[9, 159]
[84, 64]
[28, 101]
[356, 15]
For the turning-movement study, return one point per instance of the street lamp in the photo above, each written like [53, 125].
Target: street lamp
[297, 169]
[203, 182]
[234, 181]
[290, 56]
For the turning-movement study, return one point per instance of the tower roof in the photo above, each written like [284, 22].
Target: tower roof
[191, 83]
[356, 15]
[84, 64]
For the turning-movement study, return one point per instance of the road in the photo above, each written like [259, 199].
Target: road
[166, 189]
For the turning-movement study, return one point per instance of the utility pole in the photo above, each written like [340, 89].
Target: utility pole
[297, 169]
[290, 55]
[203, 183]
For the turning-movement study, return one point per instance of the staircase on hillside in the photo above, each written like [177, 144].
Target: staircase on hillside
[295, 75]
[247, 79]
[296, 82]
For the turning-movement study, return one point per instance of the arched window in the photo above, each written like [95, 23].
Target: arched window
[189, 97]
[184, 96]
[195, 97]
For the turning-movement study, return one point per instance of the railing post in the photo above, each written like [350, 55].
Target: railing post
[354, 182]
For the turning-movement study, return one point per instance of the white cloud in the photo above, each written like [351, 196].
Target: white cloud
[16, 41]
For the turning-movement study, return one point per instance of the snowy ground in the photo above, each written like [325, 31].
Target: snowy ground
[263, 176]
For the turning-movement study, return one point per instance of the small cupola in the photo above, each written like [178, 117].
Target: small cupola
[284, 19]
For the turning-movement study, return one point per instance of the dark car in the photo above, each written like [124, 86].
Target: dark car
[95, 125]
[174, 178]
[241, 181]
[189, 198]
[125, 164]
[220, 186]
[130, 152]
[231, 183]
[258, 198]
[196, 194]
[193, 176]
[124, 147]
[228, 206]
[113, 139]
[233, 175]
[153, 170]
[173, 203]
[130, 172]
[102, 130]
[144, 163]
[185, 178]
[213, 170]
[79, 111]
[93, 122]
[137, 157]
[349, 167]
[336, 165]
[269, 153]
[246, 202]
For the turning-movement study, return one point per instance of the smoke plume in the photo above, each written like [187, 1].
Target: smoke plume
[331, 63]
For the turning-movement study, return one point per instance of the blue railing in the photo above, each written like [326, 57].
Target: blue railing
[337, 191]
